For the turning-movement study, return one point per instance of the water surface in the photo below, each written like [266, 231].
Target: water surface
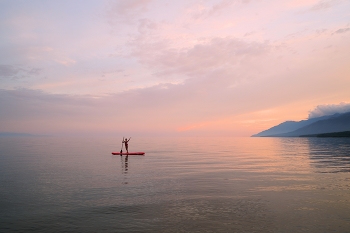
[180, 185]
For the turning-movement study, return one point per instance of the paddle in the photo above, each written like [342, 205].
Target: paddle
[121, 149]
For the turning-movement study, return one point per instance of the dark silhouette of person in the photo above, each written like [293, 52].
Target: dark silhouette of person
[125, 141]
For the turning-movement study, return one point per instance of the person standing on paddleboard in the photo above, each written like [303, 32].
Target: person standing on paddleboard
[125, 141]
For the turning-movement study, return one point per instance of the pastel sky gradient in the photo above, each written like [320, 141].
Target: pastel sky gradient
[155, 67]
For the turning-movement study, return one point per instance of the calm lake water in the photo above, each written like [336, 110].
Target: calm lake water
[180, 185]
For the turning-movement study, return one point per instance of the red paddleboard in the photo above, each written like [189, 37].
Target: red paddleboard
[130, 153]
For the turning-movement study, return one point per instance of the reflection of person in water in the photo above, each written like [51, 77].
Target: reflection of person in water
[125, 141]
[126, 163]
[125, 168]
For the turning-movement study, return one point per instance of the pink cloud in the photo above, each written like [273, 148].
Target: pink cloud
[301, 3]
[16, 71]
[329, 109]
[342, 30]
[202, 59]
[324, 4]
[126, 11]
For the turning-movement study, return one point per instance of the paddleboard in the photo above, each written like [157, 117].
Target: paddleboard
[130, 153]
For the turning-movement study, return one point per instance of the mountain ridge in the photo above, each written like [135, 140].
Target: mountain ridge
[289, 126]
[326, 124]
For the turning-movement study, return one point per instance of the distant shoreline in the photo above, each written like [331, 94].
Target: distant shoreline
[342, 134]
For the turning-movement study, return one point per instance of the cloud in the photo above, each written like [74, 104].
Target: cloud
[342, 30]
[23, 96]
[145, 25]
[154, 109]
[11, 71]
[25, 110]
[324, 4]
[126, 11]
[203, 59]
[160, 108]
[8, 71]
[203, 11]
[329, 109]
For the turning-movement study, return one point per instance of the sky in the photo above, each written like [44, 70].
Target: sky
[157, 67]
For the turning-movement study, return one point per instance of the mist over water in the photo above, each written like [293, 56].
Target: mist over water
[180, 185]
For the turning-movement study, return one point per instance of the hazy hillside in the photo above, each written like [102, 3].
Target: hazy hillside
[337, 123]
[289, 126]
